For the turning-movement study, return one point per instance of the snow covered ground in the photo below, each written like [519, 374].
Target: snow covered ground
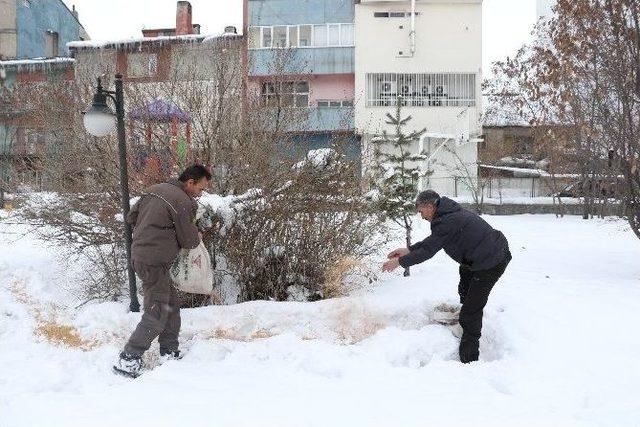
[560, 346]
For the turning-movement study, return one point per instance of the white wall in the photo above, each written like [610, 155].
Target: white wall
[448, 40]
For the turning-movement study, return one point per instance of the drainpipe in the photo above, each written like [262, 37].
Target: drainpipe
[413, 27]
[428, 160]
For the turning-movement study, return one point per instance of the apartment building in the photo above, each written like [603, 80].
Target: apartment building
[301, 56]
[429, 53]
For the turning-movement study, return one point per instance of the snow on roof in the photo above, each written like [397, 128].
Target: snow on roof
[36, 62]
[497, 116]
[187, 38]
[529, 173]
[100, 44]
[518, 172]
[213, 38]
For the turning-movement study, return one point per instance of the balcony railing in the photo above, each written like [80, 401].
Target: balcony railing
[317, 60]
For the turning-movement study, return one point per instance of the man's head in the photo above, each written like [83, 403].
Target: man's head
[195, 179]
[427, 204]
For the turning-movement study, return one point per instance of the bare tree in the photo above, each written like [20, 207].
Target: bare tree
[582, 73]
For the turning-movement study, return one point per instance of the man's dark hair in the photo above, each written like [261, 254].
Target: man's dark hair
[427, 197]
[196, 173]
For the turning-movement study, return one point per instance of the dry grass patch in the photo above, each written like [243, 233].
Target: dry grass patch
[62, 334]
[354, 324]
[346, 276]
[231, 335]
[51, 330]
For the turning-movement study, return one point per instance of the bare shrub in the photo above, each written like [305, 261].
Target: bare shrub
[285, 239]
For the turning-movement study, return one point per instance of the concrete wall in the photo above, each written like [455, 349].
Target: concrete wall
[35, 18]
[334, 87]
[316, 60]
[8, 29]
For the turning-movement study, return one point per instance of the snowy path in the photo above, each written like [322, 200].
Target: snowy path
[558, 348]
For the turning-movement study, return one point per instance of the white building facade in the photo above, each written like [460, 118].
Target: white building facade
[430, 53]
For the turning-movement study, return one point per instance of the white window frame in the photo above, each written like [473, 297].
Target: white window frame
[327, 25]
[262, 46]
[286, 39]
[310, 36]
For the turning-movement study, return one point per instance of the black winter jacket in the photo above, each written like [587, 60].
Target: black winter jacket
[463, 235]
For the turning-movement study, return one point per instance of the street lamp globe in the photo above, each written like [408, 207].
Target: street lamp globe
[99, 120]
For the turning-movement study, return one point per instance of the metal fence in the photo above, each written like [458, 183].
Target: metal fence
[498, 187]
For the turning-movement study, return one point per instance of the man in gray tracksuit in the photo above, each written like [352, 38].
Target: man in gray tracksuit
[482, 252]
[163, 222]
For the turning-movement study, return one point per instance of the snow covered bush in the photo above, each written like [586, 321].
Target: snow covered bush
[283, 241]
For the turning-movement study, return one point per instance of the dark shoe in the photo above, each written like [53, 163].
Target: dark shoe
[469, 350]
[129, 365]
[170, 354]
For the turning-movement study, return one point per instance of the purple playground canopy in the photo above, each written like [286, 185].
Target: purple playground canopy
[159, 111]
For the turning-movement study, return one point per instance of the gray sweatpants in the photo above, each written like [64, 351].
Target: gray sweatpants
[161, 317]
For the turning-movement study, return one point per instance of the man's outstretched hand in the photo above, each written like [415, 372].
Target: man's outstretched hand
[391, 264]
[397, 253]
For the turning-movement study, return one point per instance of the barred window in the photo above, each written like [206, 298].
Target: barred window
[421, 90]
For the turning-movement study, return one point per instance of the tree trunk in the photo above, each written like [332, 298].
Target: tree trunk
[407, 273]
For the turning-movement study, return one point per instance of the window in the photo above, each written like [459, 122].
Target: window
[320, 35]
[254, 37]
[285, 94]
[51, 47]
[421, 90]
[346, 35]
[393, 14]
[266, 37]
[305, 35]
[293, 36]
[328, 103]
[280, 36]
[142, 64]
[334, 34]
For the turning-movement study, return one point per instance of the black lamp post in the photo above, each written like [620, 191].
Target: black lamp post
[99, 121]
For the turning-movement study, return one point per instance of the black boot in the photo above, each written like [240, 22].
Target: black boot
[129, 365]
[170, 354]
[469, 350]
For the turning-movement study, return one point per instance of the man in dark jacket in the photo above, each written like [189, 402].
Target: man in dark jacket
[163, 222]
[482, 252]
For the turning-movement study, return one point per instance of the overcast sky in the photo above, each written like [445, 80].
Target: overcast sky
[507, 23]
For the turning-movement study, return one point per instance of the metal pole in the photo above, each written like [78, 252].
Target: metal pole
[134, 305]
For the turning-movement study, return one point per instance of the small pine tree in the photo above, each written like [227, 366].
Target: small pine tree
[396, 172]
